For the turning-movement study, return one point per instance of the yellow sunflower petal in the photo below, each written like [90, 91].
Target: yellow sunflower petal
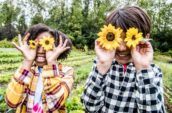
[109, 37]
[47, 43]
[133, 37]
[32, 44]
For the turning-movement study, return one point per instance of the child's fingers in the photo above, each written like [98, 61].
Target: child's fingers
[60, 41]
[65, 43]
[133, 49]
[149, 47]
[66, 48]
[19, 39]
[98, 47]
[54, 47]
[26, 38]
[96, 44]
[143, 48]
[148, 44]
[144, 44]
[16, 46]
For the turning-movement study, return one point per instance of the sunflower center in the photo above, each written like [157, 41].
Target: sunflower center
[33, 44]
[47, 42]
[133, 37]
[110, 36]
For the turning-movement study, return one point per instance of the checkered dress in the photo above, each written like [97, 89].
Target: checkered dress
[119, 92]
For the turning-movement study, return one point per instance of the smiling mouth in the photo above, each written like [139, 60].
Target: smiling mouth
[40, 57]
[123, 53]
[123, 56]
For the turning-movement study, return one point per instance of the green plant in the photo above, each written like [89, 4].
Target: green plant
[5, 44]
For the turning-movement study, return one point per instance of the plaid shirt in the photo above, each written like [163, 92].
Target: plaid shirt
[57, 84]
[119, 92]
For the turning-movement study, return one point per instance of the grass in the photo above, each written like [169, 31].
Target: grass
[162, 62]
[167, 73]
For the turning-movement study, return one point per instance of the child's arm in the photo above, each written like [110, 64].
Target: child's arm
[93, 95]
[150, 90]
[56, 87]
[17, 88]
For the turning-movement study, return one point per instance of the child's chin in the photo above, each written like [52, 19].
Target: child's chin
[123, 61]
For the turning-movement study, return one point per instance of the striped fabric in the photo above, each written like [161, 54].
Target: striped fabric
[57, 83]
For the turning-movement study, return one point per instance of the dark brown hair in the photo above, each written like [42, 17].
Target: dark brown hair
[130, 16]
[37, 29]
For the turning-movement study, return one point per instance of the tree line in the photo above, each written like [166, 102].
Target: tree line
[81, 20]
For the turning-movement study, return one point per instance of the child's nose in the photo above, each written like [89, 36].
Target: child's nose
[122, 46]
[40, 49]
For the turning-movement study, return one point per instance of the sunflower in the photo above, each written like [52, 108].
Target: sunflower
[32, 44]
[109, 37]
[47, 43]
[133, 37]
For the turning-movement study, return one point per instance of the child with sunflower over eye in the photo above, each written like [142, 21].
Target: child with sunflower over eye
[124, 78]
[41, 84]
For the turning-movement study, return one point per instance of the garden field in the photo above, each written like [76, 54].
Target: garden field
[81, 61]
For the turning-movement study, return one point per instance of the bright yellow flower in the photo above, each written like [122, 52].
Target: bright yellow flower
[133, 37]
[109, 37]
[32, 44]
[47, 43]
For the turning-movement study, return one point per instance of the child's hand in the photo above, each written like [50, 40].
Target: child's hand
[52, 56]
[142, 55]
[105, 58]
[104, 55]
[23, 47]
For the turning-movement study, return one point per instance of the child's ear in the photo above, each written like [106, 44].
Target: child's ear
[147, 36]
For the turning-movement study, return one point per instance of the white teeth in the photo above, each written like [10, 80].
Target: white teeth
[40, 59]
[122, 55]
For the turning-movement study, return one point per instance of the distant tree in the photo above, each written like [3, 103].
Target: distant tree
[159, 12]
[21, 26]
[81, 20]
[8, 16]
[8, 31]
[38, 18]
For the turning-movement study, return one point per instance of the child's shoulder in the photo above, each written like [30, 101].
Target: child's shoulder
[156, 69]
